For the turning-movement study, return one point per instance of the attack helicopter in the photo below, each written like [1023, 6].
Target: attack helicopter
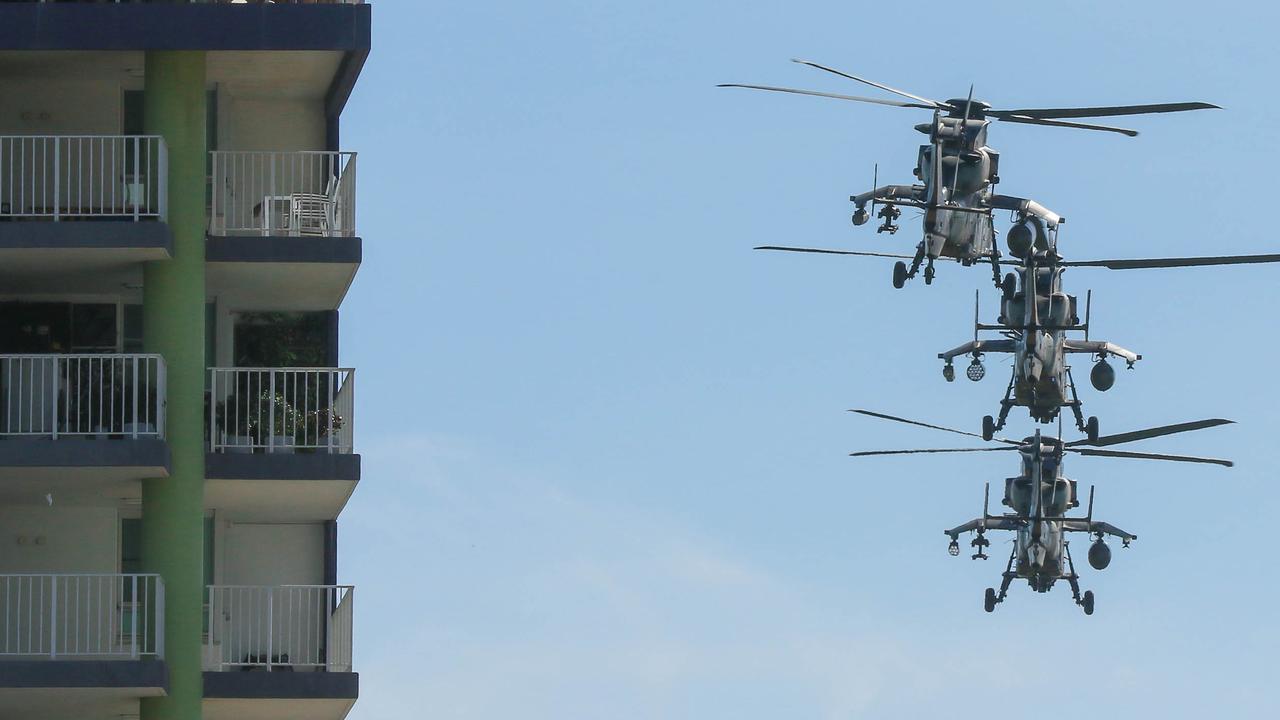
[1040, 497]
[957, 173]
[1035, 332]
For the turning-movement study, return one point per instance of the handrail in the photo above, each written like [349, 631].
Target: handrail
[83, 177]
[303, 193]
[279, 626]
[82, 615]
[281, 409]
[83, 394]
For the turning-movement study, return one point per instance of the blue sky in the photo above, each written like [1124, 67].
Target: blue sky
[605, 443]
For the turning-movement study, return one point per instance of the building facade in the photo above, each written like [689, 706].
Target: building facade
[177, 234]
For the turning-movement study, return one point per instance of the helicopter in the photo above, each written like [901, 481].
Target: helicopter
[1035, 333]
[1039, 497]
[1035, 322]
[957, 172]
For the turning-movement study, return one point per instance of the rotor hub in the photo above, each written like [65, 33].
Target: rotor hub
[977, 108]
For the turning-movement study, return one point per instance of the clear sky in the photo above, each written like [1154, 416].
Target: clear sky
[604, 443]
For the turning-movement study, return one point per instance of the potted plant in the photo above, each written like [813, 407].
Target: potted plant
[317, 425]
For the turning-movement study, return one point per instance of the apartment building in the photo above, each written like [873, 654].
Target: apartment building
[177, 234]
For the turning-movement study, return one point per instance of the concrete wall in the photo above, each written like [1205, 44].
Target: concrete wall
[296, 124]
[271, 554]
[59, 107]
[42, 538]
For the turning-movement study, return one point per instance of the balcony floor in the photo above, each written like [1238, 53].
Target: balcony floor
[301, 487]
[75, 689]
[81, 256]
[281, 273]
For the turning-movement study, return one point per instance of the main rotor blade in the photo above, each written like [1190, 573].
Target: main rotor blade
[833, 252]
[868, 453]
[1142, 263]
[1106, 111]
[815, 93]
[872, 83]
[1161, 431]
[1060, 123]
[1151, 456]
[894, 418]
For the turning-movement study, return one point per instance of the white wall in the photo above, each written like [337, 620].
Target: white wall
[41, 538]
[59, 107]
[254, 123]
[272, 554]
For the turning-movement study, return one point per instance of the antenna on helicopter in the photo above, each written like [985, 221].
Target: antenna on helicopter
[1088, 310]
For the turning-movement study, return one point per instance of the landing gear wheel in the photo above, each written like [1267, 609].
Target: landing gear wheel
[988, 427]
[928, 274]
[899, 274]
[989, 601]
[1087, 602]
[1091, 428]
[1009, 286]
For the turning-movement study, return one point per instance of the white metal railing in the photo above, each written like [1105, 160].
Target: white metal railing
[281, 409]
[57, 177]
[279, 626]
[82, 395]
[223, 2]
[303, 193]
[81, 615]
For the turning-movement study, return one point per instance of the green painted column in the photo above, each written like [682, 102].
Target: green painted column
[173, 325]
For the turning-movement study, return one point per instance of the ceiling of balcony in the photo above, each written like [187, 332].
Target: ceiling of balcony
[291, 74]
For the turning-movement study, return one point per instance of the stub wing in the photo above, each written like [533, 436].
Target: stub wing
[1097, 526]
[999, 522]
[1101, 347]
[980, 346]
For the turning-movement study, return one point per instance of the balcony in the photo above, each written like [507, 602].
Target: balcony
[86, 424]
[281, 442]
[80, 645]
[283, 194]
[82, 212]
[81, 617]
[83, 177]
[281, 410]
[281, 628]
[284, 646]
[282, 228]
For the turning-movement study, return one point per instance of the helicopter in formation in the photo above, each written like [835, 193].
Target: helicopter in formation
[1036, 316]
[1039, 498]
[957, 172]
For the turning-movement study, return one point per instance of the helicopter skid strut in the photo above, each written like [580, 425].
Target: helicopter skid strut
[1085, 601]
[993, 598]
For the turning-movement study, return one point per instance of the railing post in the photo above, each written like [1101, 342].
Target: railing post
[162, 184]
[336, 378]
[56, 375]
[133, 626]
[271, 412]
[213, 404]
[270, 610]
[157, 614]
[134, 399]
[53, 617]
[137, 173]
[57, 180]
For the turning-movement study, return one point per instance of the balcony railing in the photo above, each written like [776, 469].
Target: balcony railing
[293, 627]
[83, 177]
[79, 616]
[217, 2]
[305, 193]
[281, 410]
[100, 396]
